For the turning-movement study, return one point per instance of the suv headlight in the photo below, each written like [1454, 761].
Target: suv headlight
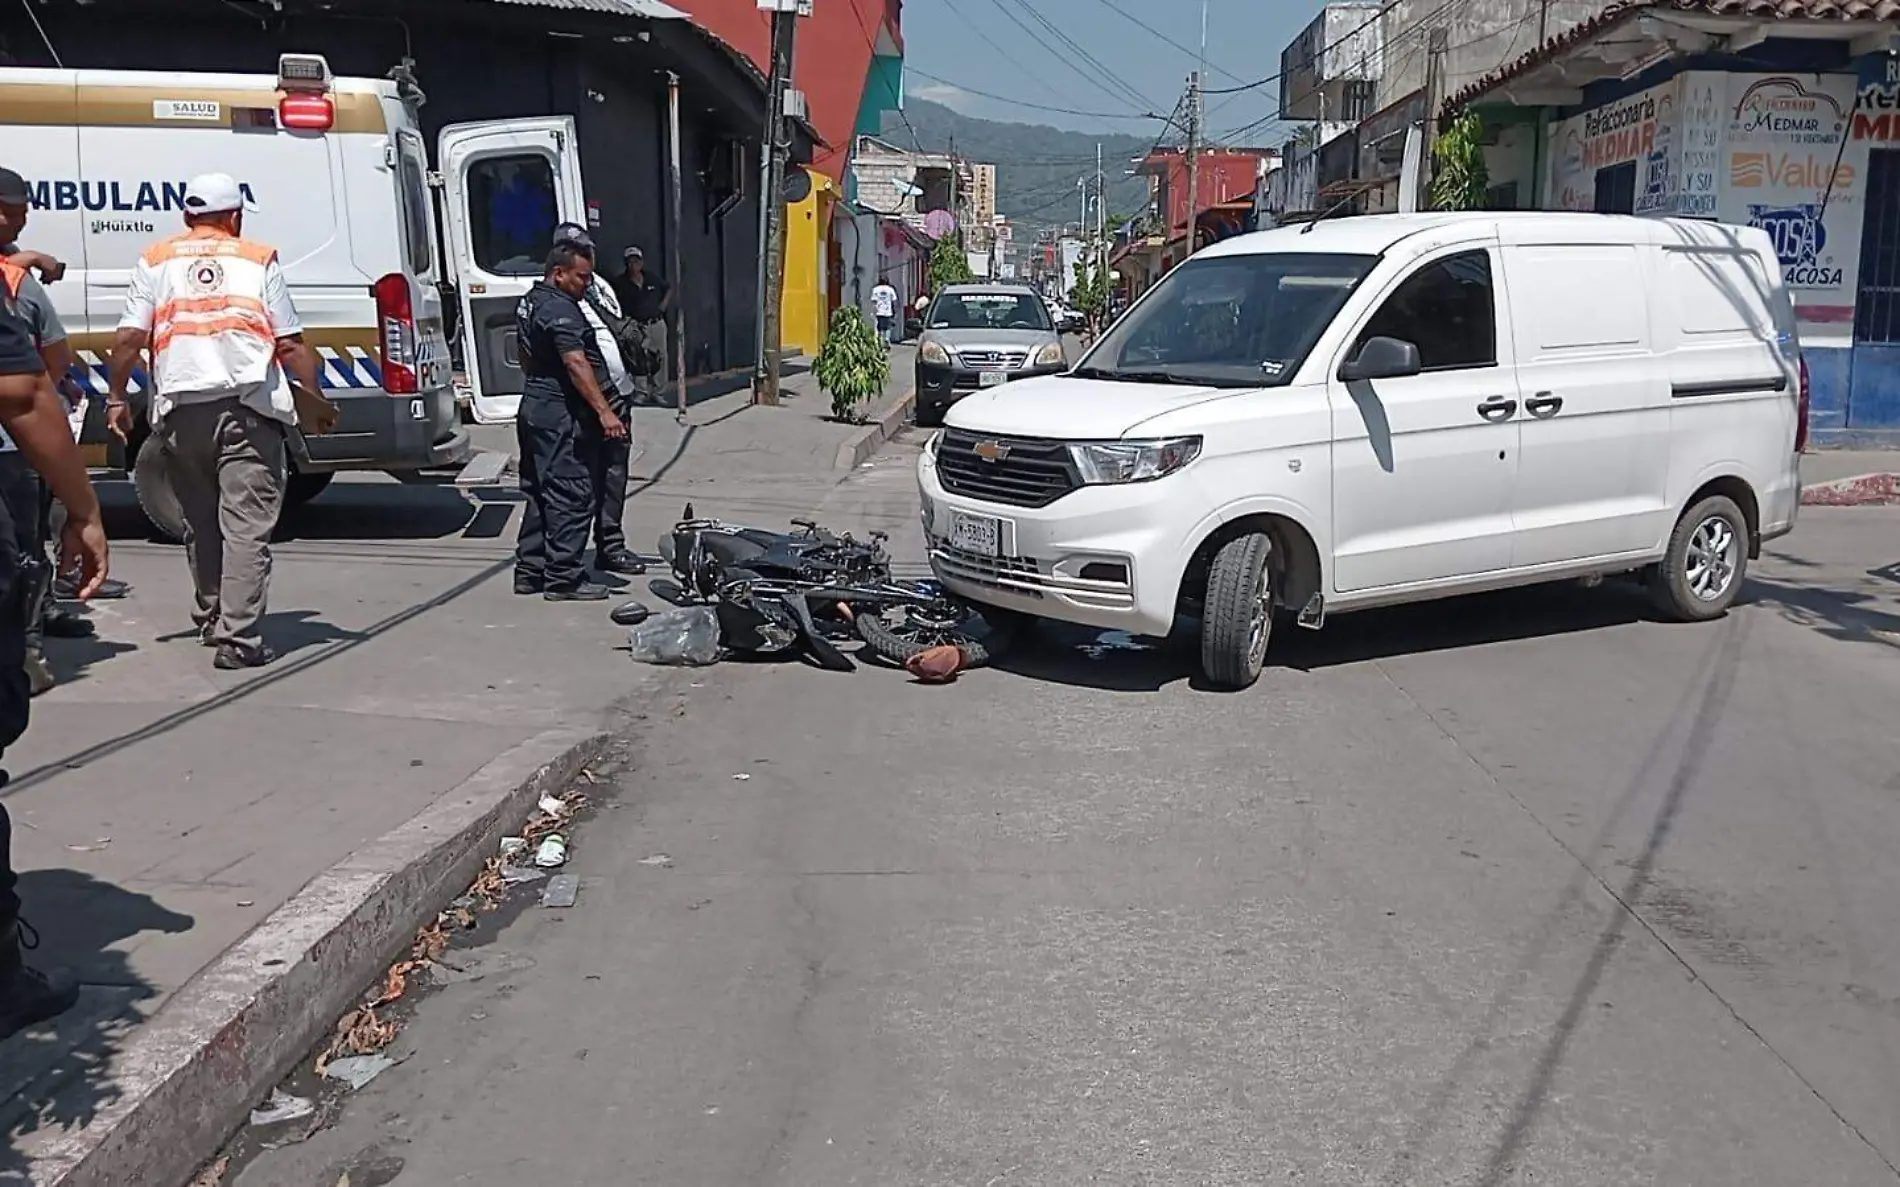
[1048, 356]
[1111, 462]
[934, 353]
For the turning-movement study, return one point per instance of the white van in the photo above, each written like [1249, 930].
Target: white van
[339, 172]
[1388, 409]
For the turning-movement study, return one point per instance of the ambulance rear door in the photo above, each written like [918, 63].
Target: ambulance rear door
[505, 183]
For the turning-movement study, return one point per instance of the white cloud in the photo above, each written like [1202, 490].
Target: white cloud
[942, 92]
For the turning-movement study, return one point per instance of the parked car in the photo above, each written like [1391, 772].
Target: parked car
[978, 336]
[1390, 409]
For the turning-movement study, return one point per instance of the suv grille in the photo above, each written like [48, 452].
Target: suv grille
[1029, 473]
[1006, 360]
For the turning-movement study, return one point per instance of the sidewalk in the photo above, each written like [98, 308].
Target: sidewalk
[1850, 477]
[163, 809]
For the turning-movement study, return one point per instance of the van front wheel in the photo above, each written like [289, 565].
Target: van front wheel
[1700, 576]
[1237, 621]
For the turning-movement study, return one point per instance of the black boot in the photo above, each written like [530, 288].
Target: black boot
[27, 995]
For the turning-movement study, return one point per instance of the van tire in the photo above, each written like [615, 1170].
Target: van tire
[1237, 620]
[304, 487]
[1708, 551]
[151, 482]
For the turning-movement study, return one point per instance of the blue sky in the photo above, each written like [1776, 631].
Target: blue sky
[955, 48]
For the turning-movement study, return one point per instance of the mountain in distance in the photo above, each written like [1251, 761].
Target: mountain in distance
[1036, 166]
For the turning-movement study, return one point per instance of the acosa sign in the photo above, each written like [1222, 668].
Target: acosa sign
[1800, 238]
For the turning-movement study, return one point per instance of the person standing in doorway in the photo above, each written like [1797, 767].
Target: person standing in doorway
[612, 333]
[216, 312]
[31, 412]
[564, 421]
[884, 308]
[648, 301]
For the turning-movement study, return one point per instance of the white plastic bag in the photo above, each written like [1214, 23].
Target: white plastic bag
[687, 636]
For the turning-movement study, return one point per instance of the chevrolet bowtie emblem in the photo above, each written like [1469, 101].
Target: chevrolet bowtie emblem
[990, 451]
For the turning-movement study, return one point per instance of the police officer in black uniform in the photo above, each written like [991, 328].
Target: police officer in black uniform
[564, 423]
[34, 416]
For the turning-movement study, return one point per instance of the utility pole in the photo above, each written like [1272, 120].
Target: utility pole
[1194, 161]
[765, 372]
[1101, 232]
[1435, 46]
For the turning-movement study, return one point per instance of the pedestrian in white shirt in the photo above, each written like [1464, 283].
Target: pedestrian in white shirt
[884, 306]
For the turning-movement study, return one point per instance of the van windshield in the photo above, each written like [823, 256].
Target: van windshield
[1229, 321]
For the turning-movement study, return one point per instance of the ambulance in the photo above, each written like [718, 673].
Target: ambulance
[405, 276]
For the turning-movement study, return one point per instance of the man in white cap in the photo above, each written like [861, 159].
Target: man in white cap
[215, 310]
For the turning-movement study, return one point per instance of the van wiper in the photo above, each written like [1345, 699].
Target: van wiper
[1142, 376]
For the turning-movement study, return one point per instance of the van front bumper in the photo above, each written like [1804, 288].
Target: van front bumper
[939, 387]
[1109, 557]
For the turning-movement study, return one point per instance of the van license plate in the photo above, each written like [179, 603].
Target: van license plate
[991, 378]
[976, 533]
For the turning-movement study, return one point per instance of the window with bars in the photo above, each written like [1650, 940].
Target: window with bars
[1877, 311]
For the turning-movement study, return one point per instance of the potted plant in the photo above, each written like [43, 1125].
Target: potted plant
[853, 365]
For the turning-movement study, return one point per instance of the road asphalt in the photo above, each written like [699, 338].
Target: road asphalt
[1525, 888]
[165, 814]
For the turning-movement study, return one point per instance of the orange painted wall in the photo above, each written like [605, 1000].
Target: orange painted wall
[830, 59]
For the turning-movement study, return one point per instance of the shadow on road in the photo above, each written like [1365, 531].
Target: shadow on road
[57, 1076]
[1116, 662]
[1836, 613]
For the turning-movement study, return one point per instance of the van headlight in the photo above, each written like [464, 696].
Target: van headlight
[934, 353]
[1113, 462]
[1048, 356]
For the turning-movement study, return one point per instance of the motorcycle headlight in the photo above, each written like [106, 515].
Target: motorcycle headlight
[1113, 462]
[1048, 356]
[934, 353]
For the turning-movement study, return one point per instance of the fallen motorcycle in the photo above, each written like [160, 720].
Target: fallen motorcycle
[803, 591]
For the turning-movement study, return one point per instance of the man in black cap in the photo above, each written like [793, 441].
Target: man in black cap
[564, 422]
[648, 300]
[614, 333]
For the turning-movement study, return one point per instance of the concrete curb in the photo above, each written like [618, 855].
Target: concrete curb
[884, 424]
[188, 1078]
[1862, 490]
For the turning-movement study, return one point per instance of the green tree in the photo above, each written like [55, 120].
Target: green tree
[1089, 296]
[949, 264]
[1460, 180]
[853, 365]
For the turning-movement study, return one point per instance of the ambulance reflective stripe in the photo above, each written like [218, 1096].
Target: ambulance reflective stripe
[345, 368]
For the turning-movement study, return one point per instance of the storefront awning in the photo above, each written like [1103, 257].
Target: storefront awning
[1631, 35]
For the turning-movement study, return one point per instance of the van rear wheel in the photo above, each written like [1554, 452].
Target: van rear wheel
[1701, 574]
[151, 483]
[304, 487]
[1237, 621]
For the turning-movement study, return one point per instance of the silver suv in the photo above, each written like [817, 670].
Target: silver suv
[977, 336]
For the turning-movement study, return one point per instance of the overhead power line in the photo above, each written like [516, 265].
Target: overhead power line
[1102, 80]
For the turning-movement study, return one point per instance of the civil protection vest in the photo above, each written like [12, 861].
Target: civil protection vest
[211, 330]
[12, 276]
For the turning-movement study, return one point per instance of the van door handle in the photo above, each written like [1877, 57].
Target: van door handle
[1497, 408]
[1543, 405]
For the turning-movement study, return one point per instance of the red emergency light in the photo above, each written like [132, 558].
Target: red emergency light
[310, 113]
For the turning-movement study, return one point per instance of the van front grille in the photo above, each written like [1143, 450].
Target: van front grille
[1018, 471]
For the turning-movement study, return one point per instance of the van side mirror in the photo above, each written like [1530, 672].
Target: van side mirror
[1381, 358]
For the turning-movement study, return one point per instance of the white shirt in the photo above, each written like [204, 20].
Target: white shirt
[884, 300]
[604, 337]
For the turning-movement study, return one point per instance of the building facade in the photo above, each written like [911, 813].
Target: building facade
[1791, 126]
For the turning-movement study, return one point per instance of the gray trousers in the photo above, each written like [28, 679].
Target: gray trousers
[651, 389]
[228, 471]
